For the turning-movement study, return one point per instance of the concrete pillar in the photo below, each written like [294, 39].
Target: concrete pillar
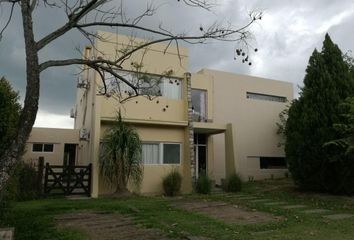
[229, 151]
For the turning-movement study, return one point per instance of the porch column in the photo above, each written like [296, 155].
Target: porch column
[193, 165]
[229, 151]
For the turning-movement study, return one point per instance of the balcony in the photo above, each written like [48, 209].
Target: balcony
[160, 98]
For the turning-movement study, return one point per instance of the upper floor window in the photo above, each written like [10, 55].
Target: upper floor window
[199, 98]
[42, 147]
[265, 97]
[147, 84]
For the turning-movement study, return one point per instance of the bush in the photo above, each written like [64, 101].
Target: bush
[172, 183]
[8, 195]
[233, 184]
[203, 185]
[27, 187]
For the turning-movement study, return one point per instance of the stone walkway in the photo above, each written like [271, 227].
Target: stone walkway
[255, 199]
[107, 226]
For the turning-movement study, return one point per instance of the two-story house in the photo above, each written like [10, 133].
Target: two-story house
[209, 122]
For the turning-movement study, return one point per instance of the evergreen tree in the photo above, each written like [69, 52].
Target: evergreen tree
[9, 113]
[342, 149]
[327, 83]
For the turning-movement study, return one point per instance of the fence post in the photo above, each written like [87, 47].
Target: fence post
[46, 179]
[40, 175]
[89, 180]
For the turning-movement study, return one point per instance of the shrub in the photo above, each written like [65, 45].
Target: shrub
[233, 184]
[8, 195]
[172, 183]
[21, 186]
[203, 185]
[27, 186]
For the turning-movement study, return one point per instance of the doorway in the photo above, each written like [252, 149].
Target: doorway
[69, 154]
[200, 153]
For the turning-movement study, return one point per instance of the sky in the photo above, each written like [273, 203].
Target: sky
[285, 38]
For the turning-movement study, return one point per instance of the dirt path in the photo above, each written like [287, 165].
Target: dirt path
[229, 213]
[107, 226]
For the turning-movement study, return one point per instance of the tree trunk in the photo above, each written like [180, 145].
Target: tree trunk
[30, 108]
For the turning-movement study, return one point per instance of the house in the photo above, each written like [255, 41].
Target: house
[210, 122]
[57, 146]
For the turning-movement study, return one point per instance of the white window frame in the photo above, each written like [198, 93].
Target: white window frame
[160, 160]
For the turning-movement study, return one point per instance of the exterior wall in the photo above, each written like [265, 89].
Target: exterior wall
[57, 137]
[141, 108]
[153, 174]
[156, 59]
[253, 121]
[157, 123]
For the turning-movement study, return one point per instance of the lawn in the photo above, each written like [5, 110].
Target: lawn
[36, 219]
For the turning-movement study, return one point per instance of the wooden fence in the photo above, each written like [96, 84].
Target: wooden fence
[67, 180]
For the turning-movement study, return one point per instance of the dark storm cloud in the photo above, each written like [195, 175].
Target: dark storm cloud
[57, 94]
[286, 36]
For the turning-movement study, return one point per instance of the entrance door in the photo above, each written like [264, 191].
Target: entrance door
[69, 154]
[200, 153]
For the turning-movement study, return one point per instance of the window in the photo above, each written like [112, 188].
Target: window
[171, 88]
[272, 162]
[42, 147]
[150, 153]
[171, 153]
[148, 84]
[265, 97]
[161, 153]
[199, 105]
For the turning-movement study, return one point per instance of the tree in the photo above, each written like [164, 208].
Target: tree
[120, 161]
[342, 149]
[10, 110]
[9, 114]
[309, 126]
[83, 16]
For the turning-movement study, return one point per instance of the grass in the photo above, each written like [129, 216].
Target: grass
[35, 219]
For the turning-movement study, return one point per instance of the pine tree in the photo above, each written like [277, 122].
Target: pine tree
[327, 83]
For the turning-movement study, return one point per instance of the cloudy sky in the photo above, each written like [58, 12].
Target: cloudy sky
[285, 37]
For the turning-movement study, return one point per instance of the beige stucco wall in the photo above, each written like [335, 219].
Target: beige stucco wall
[141, 108]
[153, 174]
[253, 122]
[57, 137]
[156, 58]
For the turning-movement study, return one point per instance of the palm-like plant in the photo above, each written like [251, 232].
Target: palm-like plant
[120, 160]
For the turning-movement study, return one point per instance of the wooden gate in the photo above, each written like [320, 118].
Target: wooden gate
[67, 180]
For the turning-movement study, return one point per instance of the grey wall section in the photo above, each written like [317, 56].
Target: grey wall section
[254, 122]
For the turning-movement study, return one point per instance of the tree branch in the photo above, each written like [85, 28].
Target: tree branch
[73, 19]
[99, 64]
[9, 20]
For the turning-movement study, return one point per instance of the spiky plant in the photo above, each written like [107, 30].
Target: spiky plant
[120, 160]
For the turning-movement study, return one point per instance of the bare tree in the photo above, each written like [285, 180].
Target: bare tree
[83, 16]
